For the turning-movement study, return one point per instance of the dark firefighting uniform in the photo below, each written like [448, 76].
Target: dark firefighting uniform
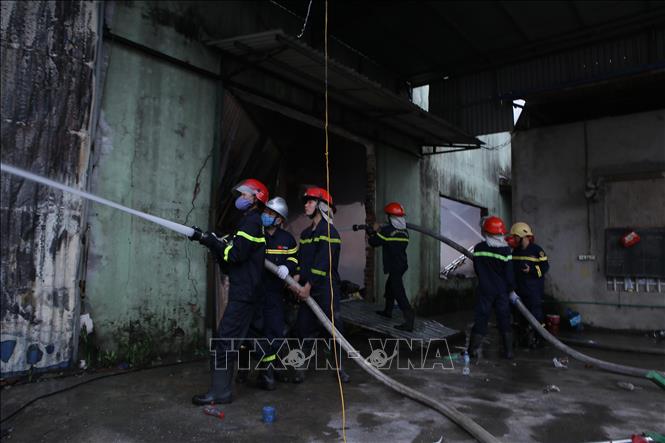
[494, 268]
[394, 243]
[281, 249]
[530, 285]
[314, 262]
[243, 260]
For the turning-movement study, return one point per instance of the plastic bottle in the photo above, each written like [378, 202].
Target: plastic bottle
[215, 412]
[466, 370]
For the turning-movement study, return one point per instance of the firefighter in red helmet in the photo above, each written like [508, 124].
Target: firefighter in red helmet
[394, 238]
[242, 256]
[318, 259]
[492, 261]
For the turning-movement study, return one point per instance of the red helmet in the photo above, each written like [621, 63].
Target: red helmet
[318, 194]
[254, 187]
[494, 225]
[395, 209]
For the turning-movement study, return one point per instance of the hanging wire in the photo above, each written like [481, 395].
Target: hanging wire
[304, 25]
[338, 358]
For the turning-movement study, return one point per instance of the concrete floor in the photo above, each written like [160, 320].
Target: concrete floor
[505, 397]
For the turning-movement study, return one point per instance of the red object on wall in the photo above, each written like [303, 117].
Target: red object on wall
[630, 239]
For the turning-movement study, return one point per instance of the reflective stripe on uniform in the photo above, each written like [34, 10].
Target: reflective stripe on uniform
[540, 274]
[226, 252]
[526, 258]
[320, 238]
[392, 238]
[318, 272]
[282, 251]
[269, 358]
[293, 259]
[492, 255]
[243, 234]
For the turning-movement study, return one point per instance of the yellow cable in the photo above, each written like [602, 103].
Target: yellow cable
[330, 276]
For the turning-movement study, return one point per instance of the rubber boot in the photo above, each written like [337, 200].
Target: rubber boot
[409, 320]
[283, 375]
[385, 313]
[220, 388]
[475, 349]
[243, 360]
[299, 375]
[507, 345]
[343, 376]
[266, 379]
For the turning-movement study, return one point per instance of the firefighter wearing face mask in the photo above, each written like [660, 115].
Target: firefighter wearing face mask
[492, 261]
[394, 238]
[530, 265]
[282, 250]
[320, 246]
[242, 256]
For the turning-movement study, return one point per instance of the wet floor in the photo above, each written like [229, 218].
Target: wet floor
[504, 397]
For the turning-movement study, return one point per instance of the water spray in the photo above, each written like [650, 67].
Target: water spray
[177, 227]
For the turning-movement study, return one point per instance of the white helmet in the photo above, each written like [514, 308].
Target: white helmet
[278, 204]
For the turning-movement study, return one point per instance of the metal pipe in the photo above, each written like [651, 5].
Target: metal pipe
[453, 414]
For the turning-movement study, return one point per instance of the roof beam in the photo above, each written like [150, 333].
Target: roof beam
[459, 31]
[576, 13]
[513, 21]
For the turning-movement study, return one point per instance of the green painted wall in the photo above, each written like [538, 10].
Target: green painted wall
[398, 179]
[469, 176]
[155, 155]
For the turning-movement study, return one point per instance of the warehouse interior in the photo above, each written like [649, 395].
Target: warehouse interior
[551, 113]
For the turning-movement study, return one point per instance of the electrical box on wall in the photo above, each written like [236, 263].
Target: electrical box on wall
[645, 258]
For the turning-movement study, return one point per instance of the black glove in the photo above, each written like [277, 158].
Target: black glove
[197, 235]
[367, 228]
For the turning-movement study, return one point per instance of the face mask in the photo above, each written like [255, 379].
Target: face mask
[268, 220]
[243, 204]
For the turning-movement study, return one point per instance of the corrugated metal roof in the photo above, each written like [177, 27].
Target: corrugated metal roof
[287, 57]
[480, 103]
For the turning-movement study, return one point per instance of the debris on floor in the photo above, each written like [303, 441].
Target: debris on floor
[561, 363]
[626, 385]
[551, 388]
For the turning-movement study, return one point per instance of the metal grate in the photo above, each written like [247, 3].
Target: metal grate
[362, 314]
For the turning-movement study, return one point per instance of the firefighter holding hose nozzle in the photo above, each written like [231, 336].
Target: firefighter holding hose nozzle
[394, 238]
[242, 257]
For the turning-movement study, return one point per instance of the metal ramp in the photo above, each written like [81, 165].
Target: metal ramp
[362, 314]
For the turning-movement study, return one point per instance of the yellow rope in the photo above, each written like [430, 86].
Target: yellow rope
[330, 276]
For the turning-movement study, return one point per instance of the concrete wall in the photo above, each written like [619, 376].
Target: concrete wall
[146, 284]
[469, 176]
[625, 156]
[47, 93]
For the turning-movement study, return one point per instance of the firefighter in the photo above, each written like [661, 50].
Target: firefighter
[394, 238]
[530, 266]
[493, 264]
[281, 249]
[241, 256]
[320, 246]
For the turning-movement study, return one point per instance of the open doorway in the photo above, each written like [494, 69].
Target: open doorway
[289, 156]
[459, 222]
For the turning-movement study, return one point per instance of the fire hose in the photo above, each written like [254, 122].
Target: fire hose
[607, 366]
[457, 417]
[453, 414]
